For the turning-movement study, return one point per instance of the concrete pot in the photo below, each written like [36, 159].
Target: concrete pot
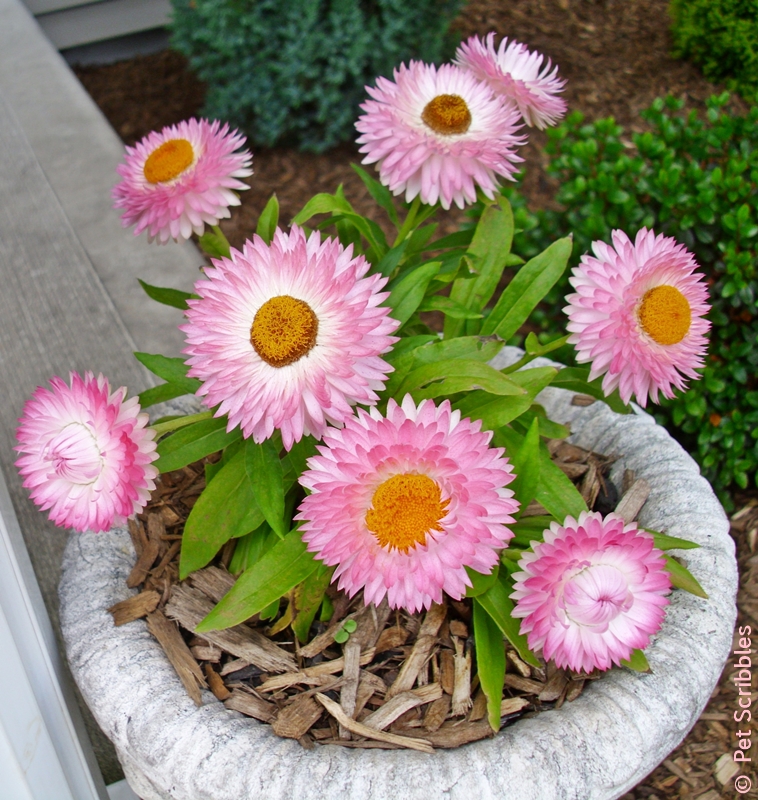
[595, 748]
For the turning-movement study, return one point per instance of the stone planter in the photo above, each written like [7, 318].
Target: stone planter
[595, 748]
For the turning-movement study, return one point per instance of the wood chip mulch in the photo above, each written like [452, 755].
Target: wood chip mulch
[399, 681]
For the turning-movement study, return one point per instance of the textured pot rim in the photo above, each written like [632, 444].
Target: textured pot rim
[595, 748]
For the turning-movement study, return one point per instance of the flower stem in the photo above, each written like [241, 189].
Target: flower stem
[410, 218]
[527, 357]
[180, 422]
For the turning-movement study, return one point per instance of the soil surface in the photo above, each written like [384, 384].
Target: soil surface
[615, 56]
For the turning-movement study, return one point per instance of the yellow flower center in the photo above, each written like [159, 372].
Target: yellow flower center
[404, 509]
[168, 161]
[447, 114]
[664, 315]
[284, 330]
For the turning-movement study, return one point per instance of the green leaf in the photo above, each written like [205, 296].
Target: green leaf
[268, 220]
[499, 606]
[490, 662]
[214, 243]
[161, 393]
[407, 294]
[380, 193]
[530, 529]
[489, 247]
[225, 510]
[194, 442]
[682, 578]
[480, 583]
[169, 297]
[448, 307]
[373, 234]
[575, 379]
[308, 598]
[264, 471]
[172, 370]
[526, 465]
[281, 569]
[637, 661]
[391, 259]
[457, 375]
[548, 428]
[251, 548]
[529, 286]
[322, 203]
[664, 542]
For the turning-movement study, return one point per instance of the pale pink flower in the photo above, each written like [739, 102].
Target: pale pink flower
[289, 335]
[518, 75]
[638, 315]
[181, 179]
[86, 453]
[437, 132]
[402, 504]
[592, 592]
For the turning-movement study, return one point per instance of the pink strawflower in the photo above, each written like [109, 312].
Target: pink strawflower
[403, 503]
[638, 315]
[592, 592]
[181, 179]
[289, 335]
[439, 133]
[86, 453]
[516, 74]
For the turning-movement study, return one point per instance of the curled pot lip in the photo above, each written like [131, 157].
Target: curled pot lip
[595, 748]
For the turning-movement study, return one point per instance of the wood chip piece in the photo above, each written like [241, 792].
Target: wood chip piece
[213, 582]
[144, 563]
[634, 498]
[521, 666]
[350, 673]
[523, 684]
[447, 670]
[178, 653]
[390, 638]
[479, 708]
[216, 684]
[369, 733]
[297, 718]
[454, 734]
[251, 706]
[368, 686]
[427, 638]
[579, 399]
[462, 689]
[574, 690]
[437, 712]
[385, 715]
[207, 653]
[512, 705]
[725, 769]
[316, 671]
[553, 689]
[134, 607]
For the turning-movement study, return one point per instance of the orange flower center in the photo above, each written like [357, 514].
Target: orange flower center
[447, 114]
[284, 330]
[168, 161]
[404, 509]
[664, 315]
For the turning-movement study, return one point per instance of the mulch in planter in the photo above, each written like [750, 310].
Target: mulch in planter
[370, 676]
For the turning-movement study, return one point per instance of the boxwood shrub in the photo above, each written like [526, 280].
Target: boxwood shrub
[695, 177]
[294, 72]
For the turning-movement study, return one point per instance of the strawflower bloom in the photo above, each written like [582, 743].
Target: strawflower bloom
[592, 592]
[86, 453]
[289, 335]
[516, 74]
[438, 132]
[638, 315]
[403, 503]
[181, 179]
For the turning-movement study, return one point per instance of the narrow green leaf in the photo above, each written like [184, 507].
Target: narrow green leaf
[534, 379]
[386, 266]
[172, 370]
[373, 234]
[407, 294]
[489, 247]
[169, 297]
[490, 662]
[264, 471]
[682, 578]
[575, 379]
[214, 243]
[225, 510]
[380, 193]
[664, 542]
[530, 284]
[497, 603]
[480, 583]
[637, 661]
[548, 428]
[281, 569]
[527, 530]
[526, 465]
[161, 393]
[448, 307]
[268, 220]
[493, 411]
[251, 548]
[322, 204]
[308, 598]
[457, 375]
[457, 239]
[194, 442]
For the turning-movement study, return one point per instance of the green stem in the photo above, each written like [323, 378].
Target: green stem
[180, 422]
[215, 244]
[410, 218]
[528, 357]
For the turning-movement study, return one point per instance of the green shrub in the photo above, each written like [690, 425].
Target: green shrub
[294, 72]
[695, 179]
[721, 36]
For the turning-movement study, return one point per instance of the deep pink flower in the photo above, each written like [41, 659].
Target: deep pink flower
[638, 315]
[592, 592]
[516, 74]
[86, 453]
[403, 503]
[437, 132]
[289, 335]
[181, 179]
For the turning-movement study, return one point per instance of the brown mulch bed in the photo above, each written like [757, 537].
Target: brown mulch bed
[615, 55]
